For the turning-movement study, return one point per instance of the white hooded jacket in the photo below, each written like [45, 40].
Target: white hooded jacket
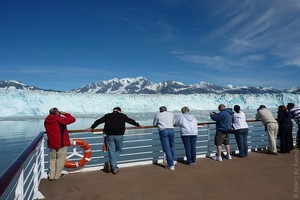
[187, 124]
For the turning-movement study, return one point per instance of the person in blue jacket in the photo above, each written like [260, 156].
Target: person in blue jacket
[223, 127]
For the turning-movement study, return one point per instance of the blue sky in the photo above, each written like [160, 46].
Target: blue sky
[67, 44]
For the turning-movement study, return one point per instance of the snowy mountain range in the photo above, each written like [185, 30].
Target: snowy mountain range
[141, 85]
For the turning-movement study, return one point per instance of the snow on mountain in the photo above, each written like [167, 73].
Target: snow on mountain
[137, 95]
[141, 85]
[294, 90]
[7, 85]
[116, 86]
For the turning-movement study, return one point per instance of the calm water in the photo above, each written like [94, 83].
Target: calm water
[16, 135]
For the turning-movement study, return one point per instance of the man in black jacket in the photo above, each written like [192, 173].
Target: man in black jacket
[114, 128]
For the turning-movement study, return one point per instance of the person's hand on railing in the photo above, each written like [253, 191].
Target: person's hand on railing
[89, 129]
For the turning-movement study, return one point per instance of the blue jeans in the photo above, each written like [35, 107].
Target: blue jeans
[167, 139]
[189, 142]
[114, 145]
[241, 140]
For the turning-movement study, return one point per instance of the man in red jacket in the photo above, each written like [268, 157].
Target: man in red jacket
[58, 140]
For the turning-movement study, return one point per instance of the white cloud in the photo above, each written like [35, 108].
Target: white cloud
[260, 25]
[222, 62]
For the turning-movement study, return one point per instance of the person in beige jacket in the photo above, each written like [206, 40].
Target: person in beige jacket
[271, 126]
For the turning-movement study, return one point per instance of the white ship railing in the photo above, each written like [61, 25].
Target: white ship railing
[141, 146]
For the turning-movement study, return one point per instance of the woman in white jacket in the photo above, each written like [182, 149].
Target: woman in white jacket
[240, 127]
[189, 131]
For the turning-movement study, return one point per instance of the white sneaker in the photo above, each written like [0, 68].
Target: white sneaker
[172, 168]
[218, 158]
[229, 157]
[174, 162]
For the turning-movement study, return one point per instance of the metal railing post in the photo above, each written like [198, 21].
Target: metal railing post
[208, 142]
[43, 172]
[36, 180]
[19, 192]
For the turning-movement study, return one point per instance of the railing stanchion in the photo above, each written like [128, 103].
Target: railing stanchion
[19, 192]
[208, 142]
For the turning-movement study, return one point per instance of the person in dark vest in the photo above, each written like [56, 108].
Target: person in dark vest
[285, 128]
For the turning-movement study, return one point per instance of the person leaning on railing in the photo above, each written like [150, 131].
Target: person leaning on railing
[188, 131]
[114, 128]
[58, 140]
[271, 126]
[164, 121]
[240, 130]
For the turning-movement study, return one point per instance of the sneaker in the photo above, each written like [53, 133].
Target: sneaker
[218, 158]
[107, 167]
[174, 162]
[171, 168]
[229, 157]
[115, 171]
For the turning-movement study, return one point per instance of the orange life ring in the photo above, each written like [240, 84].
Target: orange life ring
[87, 154]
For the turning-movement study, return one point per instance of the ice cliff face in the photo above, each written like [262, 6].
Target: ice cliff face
[135, 95]
[24, 103]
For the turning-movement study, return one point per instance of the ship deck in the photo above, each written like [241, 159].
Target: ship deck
[259, 176]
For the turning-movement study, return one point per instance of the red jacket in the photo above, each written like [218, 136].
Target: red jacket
[56, 128]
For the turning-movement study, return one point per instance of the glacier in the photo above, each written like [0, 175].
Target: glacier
[36, 104]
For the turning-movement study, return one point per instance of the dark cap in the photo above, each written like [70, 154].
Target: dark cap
[118, 109]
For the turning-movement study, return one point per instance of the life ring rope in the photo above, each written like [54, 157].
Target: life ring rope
[84, 158]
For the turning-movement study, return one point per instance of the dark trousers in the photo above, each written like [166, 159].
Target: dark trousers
[298, 137]
[285, 141]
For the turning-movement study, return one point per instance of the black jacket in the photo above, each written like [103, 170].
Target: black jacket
[114, 123]
[284, 122]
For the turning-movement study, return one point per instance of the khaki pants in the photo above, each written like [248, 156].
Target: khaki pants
[272, 130]
[57, 161]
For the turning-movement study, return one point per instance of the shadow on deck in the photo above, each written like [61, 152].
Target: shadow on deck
[260, 176]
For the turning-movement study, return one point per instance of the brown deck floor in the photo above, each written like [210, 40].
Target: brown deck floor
[260, 176]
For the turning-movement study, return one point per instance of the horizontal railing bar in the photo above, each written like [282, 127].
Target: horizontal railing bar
[143, 127]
